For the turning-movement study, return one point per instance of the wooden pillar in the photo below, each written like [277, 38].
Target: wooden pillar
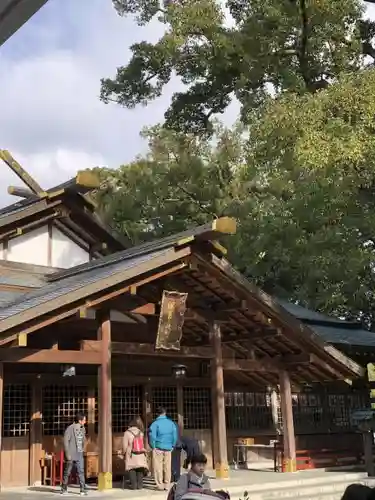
[290, 464]
[218, 407]
[36, 434]
[91, 405]
[180, 408]
[1, 418]
[105, 403]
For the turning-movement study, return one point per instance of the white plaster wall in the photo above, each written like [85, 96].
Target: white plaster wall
[30, 248]
[1, 251]
[65, 252]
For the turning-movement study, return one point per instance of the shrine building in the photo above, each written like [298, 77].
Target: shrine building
[128, 322]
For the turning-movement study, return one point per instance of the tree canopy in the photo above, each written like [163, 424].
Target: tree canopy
[301, 185]
[298, 169]
[238, 49]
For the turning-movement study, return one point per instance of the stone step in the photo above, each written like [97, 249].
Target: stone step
[323, 488]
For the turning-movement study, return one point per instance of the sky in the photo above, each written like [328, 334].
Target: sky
[52, 120]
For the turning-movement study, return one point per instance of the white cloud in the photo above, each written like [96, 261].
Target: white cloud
[51, 117]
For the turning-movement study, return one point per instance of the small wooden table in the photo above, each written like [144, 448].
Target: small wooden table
[242, 449]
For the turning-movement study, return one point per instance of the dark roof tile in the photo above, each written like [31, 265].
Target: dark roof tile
[59, 288]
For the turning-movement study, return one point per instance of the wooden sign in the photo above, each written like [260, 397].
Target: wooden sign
[171, 320]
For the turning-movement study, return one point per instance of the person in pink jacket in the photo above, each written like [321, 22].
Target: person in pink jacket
[135, 453]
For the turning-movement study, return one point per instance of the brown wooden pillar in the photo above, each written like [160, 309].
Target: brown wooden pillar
[218, 406]
[91, 405]
[1, 418]
[105, 403]
[36, 434]
[289, 464]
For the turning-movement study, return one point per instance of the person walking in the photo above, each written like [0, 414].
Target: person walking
[135, 453]
[162, 438]
[74, 445]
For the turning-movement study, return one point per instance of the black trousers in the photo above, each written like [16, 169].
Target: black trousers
[176, 465]
[136, 478]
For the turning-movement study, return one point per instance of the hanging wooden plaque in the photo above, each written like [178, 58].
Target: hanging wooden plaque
[171, 320]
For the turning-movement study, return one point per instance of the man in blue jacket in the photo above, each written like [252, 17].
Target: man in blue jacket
[162, 439]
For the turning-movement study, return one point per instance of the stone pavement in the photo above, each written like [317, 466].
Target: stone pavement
[240, 481]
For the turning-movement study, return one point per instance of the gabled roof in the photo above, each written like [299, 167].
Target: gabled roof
[189, 261]
[71, 212]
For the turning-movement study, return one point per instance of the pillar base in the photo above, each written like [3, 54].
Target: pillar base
[289, 465]
[104, 481]
[222, 471]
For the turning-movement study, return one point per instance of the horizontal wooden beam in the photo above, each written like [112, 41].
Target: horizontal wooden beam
[148, 350]
[261, 365]
[23, 355]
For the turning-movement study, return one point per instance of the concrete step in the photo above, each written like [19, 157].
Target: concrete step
[330, 487]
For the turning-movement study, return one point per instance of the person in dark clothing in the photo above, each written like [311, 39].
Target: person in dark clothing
[74, 445]
[358, 492]
[176, 462]
[191, 447]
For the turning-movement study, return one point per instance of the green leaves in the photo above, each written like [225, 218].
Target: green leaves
[268, 47]
[300, 181]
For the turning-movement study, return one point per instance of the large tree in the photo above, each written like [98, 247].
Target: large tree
[244, 49]
[302, 186]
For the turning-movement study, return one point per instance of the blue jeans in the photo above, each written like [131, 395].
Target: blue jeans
[79, 465]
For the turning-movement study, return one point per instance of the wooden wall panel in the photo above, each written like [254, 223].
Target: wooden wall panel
[15, 461]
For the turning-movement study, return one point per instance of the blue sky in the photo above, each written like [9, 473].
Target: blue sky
[51, 119]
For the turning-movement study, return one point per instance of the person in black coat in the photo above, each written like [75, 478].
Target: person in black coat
[176, 462]
[191, 447]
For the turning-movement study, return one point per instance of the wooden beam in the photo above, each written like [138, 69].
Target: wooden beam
[21, 340]
[21, 173]
[105, 402]
[232, 364]
[290, 464]
[134, 349]
[22, 192]
[217, 378]
[24, 355]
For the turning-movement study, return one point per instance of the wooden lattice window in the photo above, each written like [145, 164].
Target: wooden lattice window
[126, 404]
[197, 408]
[60, 406]
[167, 398]
[17, 410]
[248, 411]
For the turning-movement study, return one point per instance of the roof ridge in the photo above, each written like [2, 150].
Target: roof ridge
[224, 225]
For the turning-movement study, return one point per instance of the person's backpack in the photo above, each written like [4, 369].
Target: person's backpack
[137, 446]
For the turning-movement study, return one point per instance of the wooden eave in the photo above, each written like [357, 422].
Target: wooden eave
[255, 330]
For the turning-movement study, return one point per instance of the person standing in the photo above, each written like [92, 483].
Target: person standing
[191, 447]
[162, 438]
[135, 453]
[74, 445]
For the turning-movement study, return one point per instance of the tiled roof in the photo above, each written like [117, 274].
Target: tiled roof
[64, 286]
[332, 330]
[148, 247]
[345, 336]
[8, 296]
